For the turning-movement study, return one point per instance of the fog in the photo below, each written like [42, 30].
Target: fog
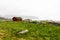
[42, 9]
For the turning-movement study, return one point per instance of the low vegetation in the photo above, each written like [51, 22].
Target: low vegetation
[41, 31]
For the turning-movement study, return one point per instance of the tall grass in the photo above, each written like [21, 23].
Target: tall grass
[41, 31]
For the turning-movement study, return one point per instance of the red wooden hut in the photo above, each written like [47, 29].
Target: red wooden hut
[17, 19]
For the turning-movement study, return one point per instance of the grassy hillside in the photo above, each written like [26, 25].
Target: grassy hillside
[41, 31]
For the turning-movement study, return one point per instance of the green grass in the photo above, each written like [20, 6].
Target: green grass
[42, 31]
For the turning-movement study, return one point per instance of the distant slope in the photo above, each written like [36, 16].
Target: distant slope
[2, 18]
[23, 16]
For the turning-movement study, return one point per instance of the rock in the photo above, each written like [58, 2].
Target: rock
[23, 32]
[35, 22]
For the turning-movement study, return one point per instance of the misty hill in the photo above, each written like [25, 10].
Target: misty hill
[23, 17]
[4, 19]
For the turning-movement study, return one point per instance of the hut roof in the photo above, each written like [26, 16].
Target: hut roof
[17, 17]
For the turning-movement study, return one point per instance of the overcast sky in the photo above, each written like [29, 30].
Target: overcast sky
[43, 9]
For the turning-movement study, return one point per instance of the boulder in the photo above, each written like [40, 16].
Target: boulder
[23, 32]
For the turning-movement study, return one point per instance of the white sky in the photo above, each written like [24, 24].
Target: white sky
[43, 9]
